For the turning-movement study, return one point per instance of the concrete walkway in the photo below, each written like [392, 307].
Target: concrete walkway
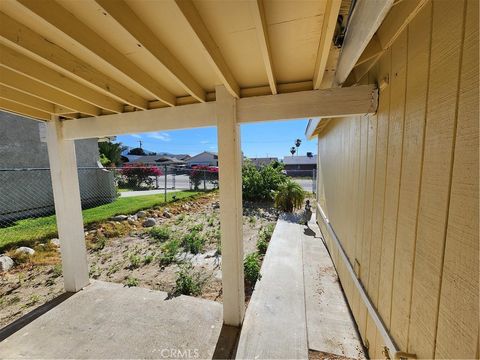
[298, 304]
[145, 192]
[109, 321]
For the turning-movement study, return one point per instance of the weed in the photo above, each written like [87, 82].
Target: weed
[262, 245]
[211, 221]
[219, 248]
[169, 251]
[33, 300]
[147, 259]
[179, 219]
[57, 270]
[252, 220]
[161, 233]
[251, 268]
[98, 243]
[94, 272]
[196, 228]
[135, 261]
[131, 282]
[114, 268]
[14, 300]
[193, 242]
[188, 281]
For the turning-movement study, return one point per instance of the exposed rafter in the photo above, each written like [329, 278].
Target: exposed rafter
[363, 23]
[25, 99]
[32, 87]
[332, 8]
[20, 109]
[201, 33]
[258, 13]
[122, 14]
[63, 20]
[28, 67]
[22, 38]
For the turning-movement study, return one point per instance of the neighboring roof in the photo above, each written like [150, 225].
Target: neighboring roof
[263, 161]
[193, 158]
[300, 160]
[150, 159]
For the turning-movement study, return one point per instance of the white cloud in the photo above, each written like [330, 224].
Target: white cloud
[160, 136]
[204, 142]
[138, 136]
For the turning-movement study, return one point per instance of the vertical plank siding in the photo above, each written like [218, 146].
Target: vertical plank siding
[402, 188]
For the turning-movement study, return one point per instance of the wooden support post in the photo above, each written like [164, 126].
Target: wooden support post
[230, 181]
[66, 193]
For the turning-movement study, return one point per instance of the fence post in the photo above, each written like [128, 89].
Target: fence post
[165, 177]
[204, 180]
[313, 180]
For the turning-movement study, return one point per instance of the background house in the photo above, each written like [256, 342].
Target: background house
[300, 165]
[27, 190]
[263, 161]
[206, 158]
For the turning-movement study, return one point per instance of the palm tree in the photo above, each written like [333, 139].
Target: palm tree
[111, 151]
[293, 150]
[289, 196]
[298, 142]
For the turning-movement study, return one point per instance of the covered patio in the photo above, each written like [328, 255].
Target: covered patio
[99, 68]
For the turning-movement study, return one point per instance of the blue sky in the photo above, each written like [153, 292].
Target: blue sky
[272, 139]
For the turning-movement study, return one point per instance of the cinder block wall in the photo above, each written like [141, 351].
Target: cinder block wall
[401, 189]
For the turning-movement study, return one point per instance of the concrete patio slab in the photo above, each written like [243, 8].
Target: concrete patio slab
[330, 326]
[275, 325]
[107, 321]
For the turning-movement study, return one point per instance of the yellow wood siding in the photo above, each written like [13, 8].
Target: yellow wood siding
[400, 189]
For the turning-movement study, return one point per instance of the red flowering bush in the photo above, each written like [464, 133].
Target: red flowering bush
[139, 174]
[200, 173]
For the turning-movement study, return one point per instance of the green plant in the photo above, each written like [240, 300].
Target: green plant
[260, 184]
[211, 221]
[110, 153]
[33, 300]
[188, 281]
[169, 251]
[131, 282]
[196, 227]
[147, 259]
[57, 270]
[135, 261]
[262, 245]
[289, 196]
[160, 233]
[179, 219]
[193, 242]
[98, 243]
[251, 268]
[266, 232]
[114, 268]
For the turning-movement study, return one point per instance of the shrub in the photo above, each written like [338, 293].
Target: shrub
[169, 251]
[193, 242]
[147, 259]
[289, 196]
[188, 281]
[139, 174]
[262, 245]
[196, 227]
[131, 281]
[260, 184]
[201, 173]
[251, 268]
[135, 261]
[267, 232]
[160, 233]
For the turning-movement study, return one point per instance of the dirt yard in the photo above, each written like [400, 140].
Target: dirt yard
[181, 253]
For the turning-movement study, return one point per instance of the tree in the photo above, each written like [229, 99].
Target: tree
[137, 175]
[110, 153]
[298, 142]
[136, 151]
[289, 196]
[293, 150]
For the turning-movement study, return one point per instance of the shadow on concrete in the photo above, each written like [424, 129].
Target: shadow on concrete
[32, 315]
[227, 343]
[309, 232]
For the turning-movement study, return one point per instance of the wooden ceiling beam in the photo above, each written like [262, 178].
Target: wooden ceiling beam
[332, 8]
[32, 87]
[258, 13]
[195, 23]
[25, 99]
[124, 16]
[366, 18]
[23, 110]
[63, 20]
[37, 71]
[24, 39]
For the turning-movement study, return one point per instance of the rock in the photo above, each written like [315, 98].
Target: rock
[131, 220]
[119, 218]
[167, 214]
[141, 214]
[216, 205]
[25, 250]
[185, 207]
[6, 263]
[149, 222]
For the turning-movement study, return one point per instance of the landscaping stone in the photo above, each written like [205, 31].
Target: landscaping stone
[167, 214]
[216, 205]
[141, 214]
[149, 222]
[25, 250]
[119, 218]
[6, 263]
[131, 219]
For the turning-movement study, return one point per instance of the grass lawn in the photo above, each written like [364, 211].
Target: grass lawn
[27, 231]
